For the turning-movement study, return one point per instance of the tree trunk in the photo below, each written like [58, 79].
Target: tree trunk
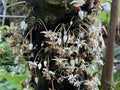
[108, 68]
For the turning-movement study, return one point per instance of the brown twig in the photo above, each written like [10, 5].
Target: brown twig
[15, 4]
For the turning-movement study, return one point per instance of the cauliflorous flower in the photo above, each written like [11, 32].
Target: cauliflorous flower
[59, 61]
[65, 37]
[72, 78]
[36, 80]
[70, 39]
[45, 63]
[69, 54]
[78, 3]
[23, 25]
[30, 46]
[32, 65]
[77, 83]
[93, 83]
[81, 14]
[59, 41]
[99, 62]
[39, 66]
[72, 62]
[49, 34]
[48, 74]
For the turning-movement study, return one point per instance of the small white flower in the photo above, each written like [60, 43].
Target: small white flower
[81, 14]
[32, 65]
[114, 69]
[81, 43]
[82, 34]
[51, 72]
[77, 3]
[74, 1]
[39, 66]
[92, 29]
[82, 60]
[100, 62]
[59, 61]
[72, 62]
[70, 39]
[71, 22]
[59, 80]
[49, 34]
[59, 41]
[69, 70]
[36, 80]
[76, 61]
[48, 74]
[30, 46]
[65, 38]
[77, 83]
[23, 25]
[45, 63]
[96, 80]
[92, 67]
[72, 78]
[32, 54]
[21, 51]
[83, 67]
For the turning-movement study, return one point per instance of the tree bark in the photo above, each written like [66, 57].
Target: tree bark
[108, 68]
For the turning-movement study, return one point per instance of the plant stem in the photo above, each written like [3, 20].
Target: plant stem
[108, 68]
[52, 85]
[16, 4]
[11, 16]
[27, 35]
[4, 14]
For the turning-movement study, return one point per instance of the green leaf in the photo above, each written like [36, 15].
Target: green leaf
[118, 85]
[116, 52]
[117, 76]
[12, 86]
[2, 27]
[8, 86]
[105, 17]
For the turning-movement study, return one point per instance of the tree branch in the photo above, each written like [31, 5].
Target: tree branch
[108, 68]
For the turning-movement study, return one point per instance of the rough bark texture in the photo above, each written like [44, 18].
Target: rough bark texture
[110, 46]
[52, 12]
